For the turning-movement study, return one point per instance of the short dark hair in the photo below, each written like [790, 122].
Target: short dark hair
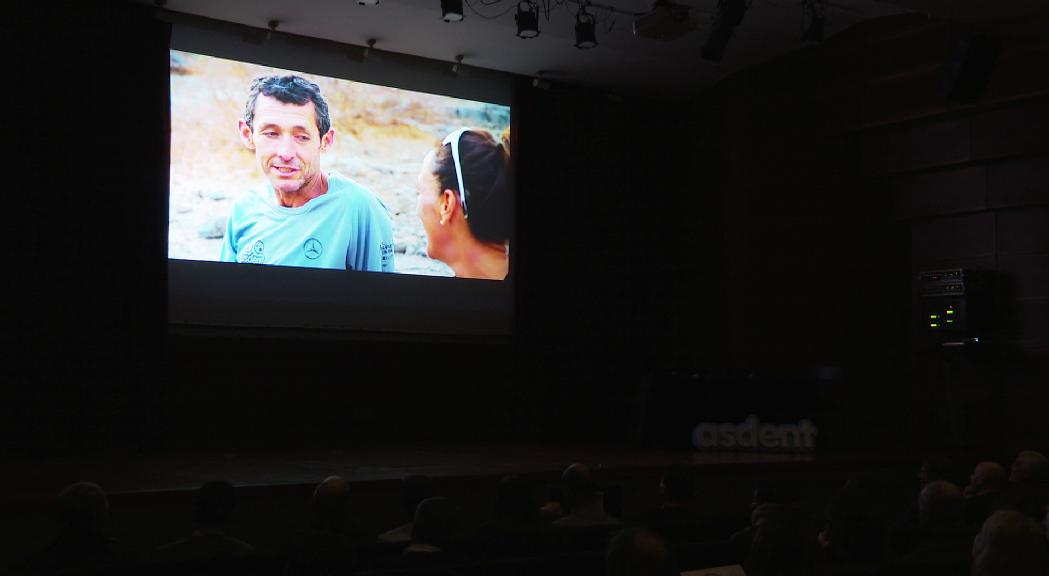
[215, 502]
[289, 89]
[487, 179]
[435, 522]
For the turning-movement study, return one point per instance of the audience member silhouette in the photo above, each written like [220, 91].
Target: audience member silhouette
[414, 489]
[984, 492]
[931, 469]
[639, 552]
[942, 537]
[584, 502]
[675, 520]
[433, 533]
[1010, 544]
[329, 545]
[83, 540]
[856, 530]
[213, 506]
[1029, 484]
[781, 538]
[1029, 466]
[517, 529]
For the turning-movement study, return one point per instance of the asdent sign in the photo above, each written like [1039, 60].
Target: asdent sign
[751, 434]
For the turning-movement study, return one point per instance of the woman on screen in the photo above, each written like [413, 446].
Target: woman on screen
[464, 203]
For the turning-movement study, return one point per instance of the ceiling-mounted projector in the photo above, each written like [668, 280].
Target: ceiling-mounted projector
[666, 21]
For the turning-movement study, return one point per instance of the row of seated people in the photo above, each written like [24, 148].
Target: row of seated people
[993, 526]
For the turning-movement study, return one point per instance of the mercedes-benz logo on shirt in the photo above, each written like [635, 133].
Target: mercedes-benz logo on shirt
[313, 248]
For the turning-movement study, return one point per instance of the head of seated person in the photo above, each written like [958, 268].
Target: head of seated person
[941, 505]
[986, 477]
[1030, 467]
[639, 552]
[1010, 543]
[776, 499]
[214, 503]
[414, 489]
[433, 530]
[83, 514]
[331, 505]
[580, 487]
[83, 511]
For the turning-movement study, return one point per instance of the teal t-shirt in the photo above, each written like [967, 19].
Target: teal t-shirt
[348, 228]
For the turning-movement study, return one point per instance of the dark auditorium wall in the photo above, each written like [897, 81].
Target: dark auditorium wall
[971, 185]
[84, 320]
[770, 229]
[838, 172]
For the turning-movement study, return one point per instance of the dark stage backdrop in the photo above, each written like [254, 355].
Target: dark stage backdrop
[86, 102]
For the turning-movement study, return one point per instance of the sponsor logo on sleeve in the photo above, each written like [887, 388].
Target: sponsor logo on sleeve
[254, 254]
[386, 249]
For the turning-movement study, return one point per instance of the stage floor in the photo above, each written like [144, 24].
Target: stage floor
[126, 472]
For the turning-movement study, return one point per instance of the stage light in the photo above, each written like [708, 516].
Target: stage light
[272, 24]
[457, 67]
[539, 81]
[368, 2]
[361, 53]
[452, 10]
[527, 20]
[585, 36]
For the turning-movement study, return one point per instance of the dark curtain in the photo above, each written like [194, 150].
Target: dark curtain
[87, 203]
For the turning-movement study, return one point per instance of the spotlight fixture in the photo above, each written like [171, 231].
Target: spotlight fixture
[367, 2]
[272, 25]
[452, 10]
[458, 64]
[585, 37]
[361, 53]
[527, 19]
[539, 81]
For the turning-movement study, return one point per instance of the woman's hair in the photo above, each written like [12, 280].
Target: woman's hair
[487, 179]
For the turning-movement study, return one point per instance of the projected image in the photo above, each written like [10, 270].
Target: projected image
[276, 167]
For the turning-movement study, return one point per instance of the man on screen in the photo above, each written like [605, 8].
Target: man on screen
[304, 216]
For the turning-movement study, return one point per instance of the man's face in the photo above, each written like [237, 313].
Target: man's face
[286, 143]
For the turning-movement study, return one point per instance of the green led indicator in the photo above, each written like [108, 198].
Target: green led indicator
[933, 316]
[950, 311]
[934, 325]
[950, 321]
